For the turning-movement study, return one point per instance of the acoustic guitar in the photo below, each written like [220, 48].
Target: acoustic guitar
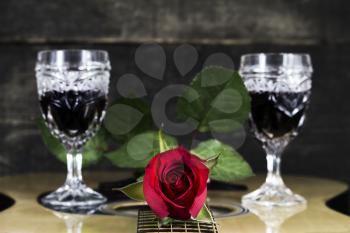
[26, 215]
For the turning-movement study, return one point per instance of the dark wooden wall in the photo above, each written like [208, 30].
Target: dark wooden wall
[234, 27]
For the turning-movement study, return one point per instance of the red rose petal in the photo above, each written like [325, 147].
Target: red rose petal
[181, 214]
[200, 199]
[187, 196]
[166, 188]
[153, 199]
[175, 184]
[167, 200]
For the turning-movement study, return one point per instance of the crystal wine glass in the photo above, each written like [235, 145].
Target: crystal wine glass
[280, 87]
[73, 87]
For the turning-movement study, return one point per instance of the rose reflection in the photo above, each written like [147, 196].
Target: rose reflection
[274, 217]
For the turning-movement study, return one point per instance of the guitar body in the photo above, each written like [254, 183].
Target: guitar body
[27, 216]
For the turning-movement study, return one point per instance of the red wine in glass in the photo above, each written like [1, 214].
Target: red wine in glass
[73, 113]
[277, 114]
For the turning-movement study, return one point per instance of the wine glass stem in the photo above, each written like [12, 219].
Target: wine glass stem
[272, 229]
[74, 227]
[273, 169]
[74, 164]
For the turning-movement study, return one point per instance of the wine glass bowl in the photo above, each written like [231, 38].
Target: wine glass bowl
[73, 88]
[280, 87]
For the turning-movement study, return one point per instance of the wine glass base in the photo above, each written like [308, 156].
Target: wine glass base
[271, 195]
[78, 198]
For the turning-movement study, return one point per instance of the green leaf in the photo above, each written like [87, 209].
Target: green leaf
[140, 178]
[95, 148]
[224, 125]
[128, 117]
[211, 162]
[230, 166]
[162, 143]
[164, 221]
[134, 191]
[92, 151]
[205, 214]
[137, 152]
[220, 101]
[52, 143]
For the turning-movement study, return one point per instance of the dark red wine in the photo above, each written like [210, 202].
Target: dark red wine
[72, 113]
[278, 114]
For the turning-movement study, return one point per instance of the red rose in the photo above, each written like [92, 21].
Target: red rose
[175, 184]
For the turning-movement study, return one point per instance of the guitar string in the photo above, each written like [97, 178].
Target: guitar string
[147, 223]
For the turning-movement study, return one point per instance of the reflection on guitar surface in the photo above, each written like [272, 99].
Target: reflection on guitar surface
[274, 217]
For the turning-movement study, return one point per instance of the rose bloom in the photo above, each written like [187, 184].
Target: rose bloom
[175, 184]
